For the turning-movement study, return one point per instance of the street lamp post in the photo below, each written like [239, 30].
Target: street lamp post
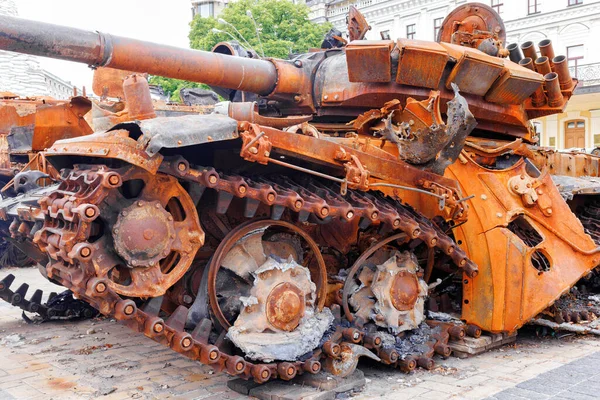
[249, 13]
[222, 21]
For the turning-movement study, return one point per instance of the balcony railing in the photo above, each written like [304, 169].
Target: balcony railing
[588, 74]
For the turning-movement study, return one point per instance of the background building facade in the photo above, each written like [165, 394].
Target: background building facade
[22, 74]
[572, 25]
[207, 8]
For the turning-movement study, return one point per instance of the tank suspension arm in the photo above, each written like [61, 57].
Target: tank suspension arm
[103, 50]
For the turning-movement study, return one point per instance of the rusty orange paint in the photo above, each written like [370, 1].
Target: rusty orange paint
[509, 291]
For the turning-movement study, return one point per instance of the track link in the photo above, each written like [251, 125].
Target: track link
[57, 307]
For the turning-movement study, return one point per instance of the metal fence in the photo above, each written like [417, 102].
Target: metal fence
[588, 74]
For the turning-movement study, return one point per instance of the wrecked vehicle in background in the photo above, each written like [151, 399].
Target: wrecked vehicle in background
[383, 199]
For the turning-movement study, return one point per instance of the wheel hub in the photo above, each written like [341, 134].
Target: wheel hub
[285, 306]
[279, 320]
[144, 233]
[404, 291]
[392, 294]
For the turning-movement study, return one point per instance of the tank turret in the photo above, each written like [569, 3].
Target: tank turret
[338, 85]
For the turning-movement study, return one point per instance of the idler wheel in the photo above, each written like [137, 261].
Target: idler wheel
[145, 235]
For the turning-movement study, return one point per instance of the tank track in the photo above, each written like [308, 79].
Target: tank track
[69, 211]
[573, 310]
[58, 306]
[589, 214]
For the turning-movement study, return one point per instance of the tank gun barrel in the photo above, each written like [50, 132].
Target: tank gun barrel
[104, 50]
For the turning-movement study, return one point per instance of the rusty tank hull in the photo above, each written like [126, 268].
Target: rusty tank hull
[353, 211]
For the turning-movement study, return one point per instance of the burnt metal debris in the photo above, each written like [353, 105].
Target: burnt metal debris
[376, 199]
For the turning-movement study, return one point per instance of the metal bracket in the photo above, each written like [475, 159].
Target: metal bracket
[256, 146]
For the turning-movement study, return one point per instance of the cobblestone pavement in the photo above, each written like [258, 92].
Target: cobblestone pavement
[101, 358]
[576, 380]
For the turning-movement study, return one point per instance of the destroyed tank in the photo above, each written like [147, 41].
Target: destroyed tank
[381, 199]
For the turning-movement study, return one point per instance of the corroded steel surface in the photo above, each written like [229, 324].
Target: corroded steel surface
[511, 288]
[376, 200]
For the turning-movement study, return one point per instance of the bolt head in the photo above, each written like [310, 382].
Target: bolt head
[158, 327]
[100, 287]
[212, 179]
[90, 212]
[128, 310]
[113, 180]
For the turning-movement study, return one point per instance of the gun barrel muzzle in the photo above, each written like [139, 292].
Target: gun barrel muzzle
[103, 50]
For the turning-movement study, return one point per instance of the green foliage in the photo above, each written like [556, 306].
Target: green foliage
[173, 86]
[284, 27]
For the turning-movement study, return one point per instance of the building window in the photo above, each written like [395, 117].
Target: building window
[574, 57]
[497, 5]
[533, 6]
[437, 25]
[575, 2]
[411, 30]
[385, 35]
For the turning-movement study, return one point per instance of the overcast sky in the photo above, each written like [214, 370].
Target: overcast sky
[152, 20]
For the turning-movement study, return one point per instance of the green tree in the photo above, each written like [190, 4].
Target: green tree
[173, 86]
[284, 27]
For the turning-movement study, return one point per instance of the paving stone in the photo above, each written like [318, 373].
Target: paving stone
[523, 394]
[49, 354]
[585, 388]
[574, 396]
[539, 386]
[565, 377]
